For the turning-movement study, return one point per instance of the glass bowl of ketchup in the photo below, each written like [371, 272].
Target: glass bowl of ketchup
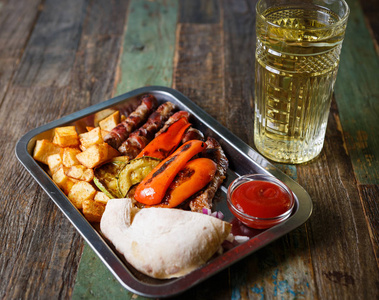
[260, 201]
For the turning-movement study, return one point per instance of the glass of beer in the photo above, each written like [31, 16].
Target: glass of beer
[297, 57]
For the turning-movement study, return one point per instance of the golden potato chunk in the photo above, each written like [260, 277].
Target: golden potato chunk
[90, 138]
[104, 133]
[96, 155]
[69, 156]
[110, 122]
[62, 180]
[80, 192]
[66, 136]
[54, 162]
[101, 197]
[43, 149]
[101, 115]
[80, 172]
[93, 210]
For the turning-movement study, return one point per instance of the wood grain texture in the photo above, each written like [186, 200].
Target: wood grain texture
[371, 12]
[199, 74]
[199, 12]
[282, 269]
[343, 261]
[369, 195]
[199, 67]
[14, 36]
[357, 92]
[58, 57]
[42, 249]
[149, 45]
[239, 43]
[145, 59]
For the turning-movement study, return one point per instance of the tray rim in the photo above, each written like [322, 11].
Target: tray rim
[101, 247]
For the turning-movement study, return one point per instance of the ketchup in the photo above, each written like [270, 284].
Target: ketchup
[261, 199]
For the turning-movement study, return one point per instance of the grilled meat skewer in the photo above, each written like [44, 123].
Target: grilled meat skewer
[139, 138]
[122, 131]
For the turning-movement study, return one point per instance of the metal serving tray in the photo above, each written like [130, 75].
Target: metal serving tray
[242, 160]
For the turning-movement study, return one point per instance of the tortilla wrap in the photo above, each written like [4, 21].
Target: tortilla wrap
[162, 242]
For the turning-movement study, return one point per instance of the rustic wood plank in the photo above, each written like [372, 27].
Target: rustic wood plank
[281, 269]
[146, 59]
[239, 37]
[356, 93]
[370, 201]
[53, 46]
[14, 36]
[149, 45]
[199, 67]
[40, 242]
[33, 220]
[343, 262]
[101, 284]
[42, 249]
[371, 12]
[199, 74]
[199, 12]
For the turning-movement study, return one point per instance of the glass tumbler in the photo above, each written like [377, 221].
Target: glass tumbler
[297, 56]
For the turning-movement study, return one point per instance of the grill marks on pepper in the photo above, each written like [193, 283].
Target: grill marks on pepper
[183, 175]
[167, 163]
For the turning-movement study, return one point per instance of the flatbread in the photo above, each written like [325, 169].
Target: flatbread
[162, 242]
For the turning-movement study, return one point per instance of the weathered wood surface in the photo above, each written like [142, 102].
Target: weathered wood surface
[61, 56]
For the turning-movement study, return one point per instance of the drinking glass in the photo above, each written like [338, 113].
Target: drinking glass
[297, 56]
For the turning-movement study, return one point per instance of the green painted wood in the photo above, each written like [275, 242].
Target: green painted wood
[95, 281]
[357, 96]
[149, 45]
[146, 59]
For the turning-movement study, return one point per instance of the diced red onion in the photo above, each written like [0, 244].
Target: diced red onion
[206, 211]
[216, 214]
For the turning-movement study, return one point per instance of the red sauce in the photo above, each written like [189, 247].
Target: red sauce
[261, 199]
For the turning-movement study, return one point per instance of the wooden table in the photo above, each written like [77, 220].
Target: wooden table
[57, 57]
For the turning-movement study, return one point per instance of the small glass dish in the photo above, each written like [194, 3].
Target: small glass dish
[254, 221]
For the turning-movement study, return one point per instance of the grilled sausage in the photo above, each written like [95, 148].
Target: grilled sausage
[192, 134]
[204, 198]
[175, 117]
[139, 138]
[122, 131]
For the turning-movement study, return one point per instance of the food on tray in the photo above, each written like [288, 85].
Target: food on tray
[148, 136]
[141, 178]
[153, 188]
[214, 152]
[92, 137]
[194, 176]
[160, 242]
[43, 149]
[71, 159]
[96, 154]
[66, 137]
[106, 176]
[121, 132]
[80, 192]
[134, 172]
[139, 138]
[168, 138]
[110, 122]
